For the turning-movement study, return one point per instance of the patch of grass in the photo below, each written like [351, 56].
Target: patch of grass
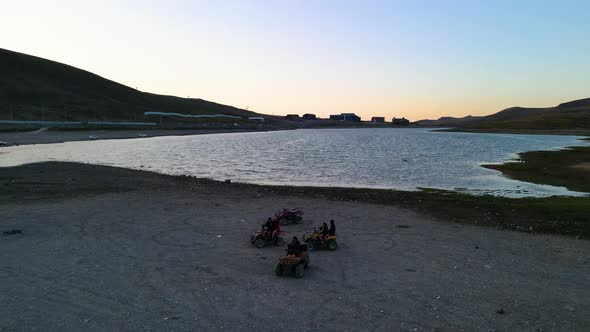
[558, 168]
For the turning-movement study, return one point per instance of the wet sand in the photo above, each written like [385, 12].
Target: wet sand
[114, 249]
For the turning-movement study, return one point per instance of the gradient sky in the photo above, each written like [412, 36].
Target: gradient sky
[418, 59]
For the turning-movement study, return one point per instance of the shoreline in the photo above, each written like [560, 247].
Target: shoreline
[42, 136]
[552, 215]
[561, 215]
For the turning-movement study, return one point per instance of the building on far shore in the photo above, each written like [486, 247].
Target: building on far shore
[345, 117]
[400, 122]
[309, 116]
[292, 116]
[378, 119]
[256, 118]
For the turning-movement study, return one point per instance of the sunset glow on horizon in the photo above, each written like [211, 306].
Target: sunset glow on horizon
[413, 59]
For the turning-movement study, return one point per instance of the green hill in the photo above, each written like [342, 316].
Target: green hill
[33, 88]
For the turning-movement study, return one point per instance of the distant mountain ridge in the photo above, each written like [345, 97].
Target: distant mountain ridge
[446, 120]
[569, 115]
[31, 86]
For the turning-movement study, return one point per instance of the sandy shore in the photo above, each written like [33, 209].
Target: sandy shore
[59, 136]
[113, 249]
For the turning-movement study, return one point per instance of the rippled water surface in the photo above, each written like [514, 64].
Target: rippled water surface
[377, 158]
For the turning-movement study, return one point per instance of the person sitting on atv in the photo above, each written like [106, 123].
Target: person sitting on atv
[324, 231]
[332, 230]
[269, 227]
[294, 247]
[276, 227]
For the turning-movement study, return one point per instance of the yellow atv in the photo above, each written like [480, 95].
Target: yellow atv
[315, 240]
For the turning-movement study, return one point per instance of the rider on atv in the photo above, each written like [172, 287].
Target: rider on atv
[294, 247]
[324, 231]
[271, 228]
[332, 230]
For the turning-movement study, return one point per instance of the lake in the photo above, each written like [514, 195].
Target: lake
[404, 158]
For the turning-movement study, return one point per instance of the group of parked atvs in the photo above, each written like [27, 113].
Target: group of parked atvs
[296, 259]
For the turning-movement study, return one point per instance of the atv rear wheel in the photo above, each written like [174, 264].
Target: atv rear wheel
[299, 219]
[279, 270]
[259, 242]
[299, 271]
[332, 244]
[284, 221]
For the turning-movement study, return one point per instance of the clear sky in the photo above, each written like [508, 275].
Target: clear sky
[418, 59]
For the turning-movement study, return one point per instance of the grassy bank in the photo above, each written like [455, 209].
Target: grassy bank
[568, 168]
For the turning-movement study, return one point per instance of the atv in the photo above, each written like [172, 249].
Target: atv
[285, 217]
[314, 240]
[261, 237]
[293, 262]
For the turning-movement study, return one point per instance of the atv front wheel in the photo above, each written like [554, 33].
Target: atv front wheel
[259, 242]
[284, 221]
[299, 220]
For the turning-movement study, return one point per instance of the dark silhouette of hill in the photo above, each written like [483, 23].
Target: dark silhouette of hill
[566, 116]
[447, 120]
[32, 87]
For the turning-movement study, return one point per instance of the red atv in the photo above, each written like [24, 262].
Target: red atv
[285, 217]
[262, 237]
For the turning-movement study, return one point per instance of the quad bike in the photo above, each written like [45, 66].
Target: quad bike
[293, 262]
[314, 240]
[261, 238]
[285, 217]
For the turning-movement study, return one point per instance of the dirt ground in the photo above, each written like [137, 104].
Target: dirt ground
[112, 249]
